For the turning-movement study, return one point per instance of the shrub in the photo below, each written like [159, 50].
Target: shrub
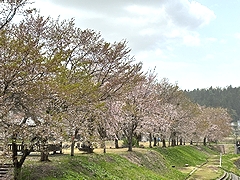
[135, 142]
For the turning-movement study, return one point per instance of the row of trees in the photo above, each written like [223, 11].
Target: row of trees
[227, 97]
[58, 81]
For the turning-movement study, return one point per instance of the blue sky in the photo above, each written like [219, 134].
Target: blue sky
[195, 44]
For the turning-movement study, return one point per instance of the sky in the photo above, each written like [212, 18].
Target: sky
[194, 44]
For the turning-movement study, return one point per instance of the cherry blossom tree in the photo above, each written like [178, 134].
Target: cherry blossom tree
[165, 107]
[182, 123]
[112, 69]
[36, 81]
[213, 124]
[134, 108]
[10, 8]
[108, 69]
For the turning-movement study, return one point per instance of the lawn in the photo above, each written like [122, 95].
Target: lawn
[143, 163]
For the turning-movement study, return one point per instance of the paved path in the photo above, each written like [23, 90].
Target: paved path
[209, 170]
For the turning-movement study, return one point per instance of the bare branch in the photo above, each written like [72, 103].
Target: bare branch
[9, 9]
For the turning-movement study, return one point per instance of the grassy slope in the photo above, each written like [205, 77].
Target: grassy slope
[140, 164]
[230, 160]
[231, 163]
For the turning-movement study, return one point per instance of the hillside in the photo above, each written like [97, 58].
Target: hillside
[156, 163]
[228, 97]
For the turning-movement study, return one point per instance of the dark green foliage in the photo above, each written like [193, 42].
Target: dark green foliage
[228, 97]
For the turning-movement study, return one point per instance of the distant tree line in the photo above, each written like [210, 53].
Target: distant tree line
[228, 97]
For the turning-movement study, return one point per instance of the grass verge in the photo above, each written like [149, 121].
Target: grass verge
[156, 163]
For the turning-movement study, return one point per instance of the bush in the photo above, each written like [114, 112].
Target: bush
[135, 142]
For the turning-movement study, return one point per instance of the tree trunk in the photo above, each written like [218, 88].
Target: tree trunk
[180, 142]
[116, 143]
[72, 147]
[103, 145]
[154, 141]
[164, 143]
[174, 142]
[73, 141]
[130, 143]
[17, 171]
[150, 140]
[17, 168]
[173, 137]
[44, 156]
[204, 141]
[18, 164]
[44, 152]
[61, 147]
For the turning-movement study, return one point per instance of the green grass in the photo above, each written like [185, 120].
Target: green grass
[181, 155]
[155, 163]
[230, 163]
[95, 166]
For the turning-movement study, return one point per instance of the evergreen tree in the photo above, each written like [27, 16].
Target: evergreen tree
[228, 97]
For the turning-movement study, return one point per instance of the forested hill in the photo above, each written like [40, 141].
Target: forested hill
[228, 97]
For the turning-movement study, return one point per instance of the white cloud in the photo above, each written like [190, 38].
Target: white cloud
[143, 10]
[202, 13]
[162, 62]
[188, 14]
[154, 29]
[145, 25]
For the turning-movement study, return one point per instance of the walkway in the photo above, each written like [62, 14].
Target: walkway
[209, 170]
